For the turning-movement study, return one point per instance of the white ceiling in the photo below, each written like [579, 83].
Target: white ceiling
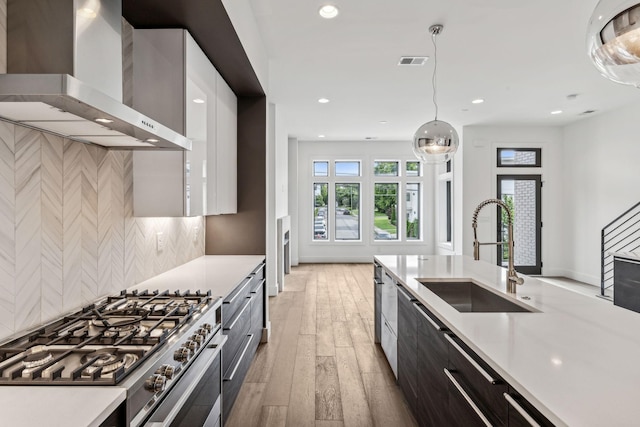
[522, 57]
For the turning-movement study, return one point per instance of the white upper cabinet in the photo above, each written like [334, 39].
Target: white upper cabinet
[175, 83]
[226, 153]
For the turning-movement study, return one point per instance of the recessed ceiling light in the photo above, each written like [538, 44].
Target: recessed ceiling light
[151, 140]
[556, 112]
[323, 100]
[198, 101]
[328, 11]
[383, 122]
[102, 120]
[477, 101]
[320, 136]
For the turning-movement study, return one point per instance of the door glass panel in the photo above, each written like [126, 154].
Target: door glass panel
[347, 212]
[521, 194]
[385, 219]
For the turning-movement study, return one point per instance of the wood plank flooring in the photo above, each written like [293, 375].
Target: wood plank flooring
[321, 367]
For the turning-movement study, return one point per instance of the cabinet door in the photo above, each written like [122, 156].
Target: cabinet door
[223, 163]
[407, 348]
[626, 279]
[432, 359]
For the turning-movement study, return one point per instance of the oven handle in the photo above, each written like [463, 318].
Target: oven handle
[177, 398]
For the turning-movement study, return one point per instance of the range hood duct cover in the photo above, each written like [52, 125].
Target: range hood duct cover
[64, 64]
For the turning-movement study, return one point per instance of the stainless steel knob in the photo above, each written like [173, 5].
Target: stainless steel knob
[203, 331]
[182, 354]
[191, 345]
[166, 370]
[155, 383]
[207, 326]
[198, 338]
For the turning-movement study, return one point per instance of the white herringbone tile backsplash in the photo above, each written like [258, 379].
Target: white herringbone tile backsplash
[67, 231]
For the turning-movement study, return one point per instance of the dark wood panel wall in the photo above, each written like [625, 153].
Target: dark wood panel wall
[245, 232]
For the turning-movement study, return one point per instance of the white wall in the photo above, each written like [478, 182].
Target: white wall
[601, 176]
[293, 199]
[364, 250]
[480, 183]
[277, 187]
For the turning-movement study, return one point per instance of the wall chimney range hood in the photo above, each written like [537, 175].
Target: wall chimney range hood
[64, 63]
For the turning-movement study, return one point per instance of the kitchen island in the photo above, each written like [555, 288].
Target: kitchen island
[574, 358]
[81, 406]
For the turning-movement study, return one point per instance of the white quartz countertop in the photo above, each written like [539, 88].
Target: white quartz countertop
[577, 359]
[78, 406]
[58, 406]
[219, 274]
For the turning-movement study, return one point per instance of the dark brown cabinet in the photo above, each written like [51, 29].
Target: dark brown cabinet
[408, 348]
[626, 279]
[522, 413]
[444, 382]
[243, 319]
[432, 359]
[474, 386]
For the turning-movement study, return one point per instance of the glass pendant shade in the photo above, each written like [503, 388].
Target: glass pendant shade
[613, 40]
[435, 142]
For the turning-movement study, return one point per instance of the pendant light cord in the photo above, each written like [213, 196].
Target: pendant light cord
[435, 68]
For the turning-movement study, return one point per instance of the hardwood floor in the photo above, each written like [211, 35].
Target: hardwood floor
[321, 367]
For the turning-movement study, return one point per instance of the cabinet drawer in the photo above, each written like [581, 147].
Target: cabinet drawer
[390, 302]
[522, 413]
[234, 376]
[235, 331]
[407, 348]
[257, 310]
[235, 300]
[378, 308]
[480, 382]
[389, 345]
[258, 272]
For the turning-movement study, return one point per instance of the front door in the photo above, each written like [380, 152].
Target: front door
[522, 194]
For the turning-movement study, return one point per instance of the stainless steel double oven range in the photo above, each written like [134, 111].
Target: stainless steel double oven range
[163, 347]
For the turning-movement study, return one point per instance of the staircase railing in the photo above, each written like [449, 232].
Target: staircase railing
[620, 235]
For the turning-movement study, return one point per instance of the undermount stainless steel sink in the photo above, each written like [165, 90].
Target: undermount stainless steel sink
[468, 297]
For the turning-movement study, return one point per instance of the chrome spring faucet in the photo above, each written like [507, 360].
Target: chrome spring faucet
[512, 276]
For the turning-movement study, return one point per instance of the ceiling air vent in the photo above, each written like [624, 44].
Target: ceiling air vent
[412, 60]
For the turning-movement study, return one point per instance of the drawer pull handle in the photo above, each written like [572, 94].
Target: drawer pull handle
[521, 410]
[467, 398]
[261, 283]
[246, 283]
[247, 304]
[429, 319]
[235, 368]
[404, 293]
[475, 364]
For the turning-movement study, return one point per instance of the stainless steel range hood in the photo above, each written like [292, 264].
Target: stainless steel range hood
[64, 63]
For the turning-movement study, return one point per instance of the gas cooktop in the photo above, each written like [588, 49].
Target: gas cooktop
[103, 342]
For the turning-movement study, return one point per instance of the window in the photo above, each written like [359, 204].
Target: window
[347, 211]
[413, 211]
[413, 169]
[519, 157]
[320, 168]
[385, 215]
[445, 204]
[351, 168]
[320, 212]
[385, 168]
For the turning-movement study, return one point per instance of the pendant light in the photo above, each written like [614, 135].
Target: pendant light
[435, 141]
[613, 40]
